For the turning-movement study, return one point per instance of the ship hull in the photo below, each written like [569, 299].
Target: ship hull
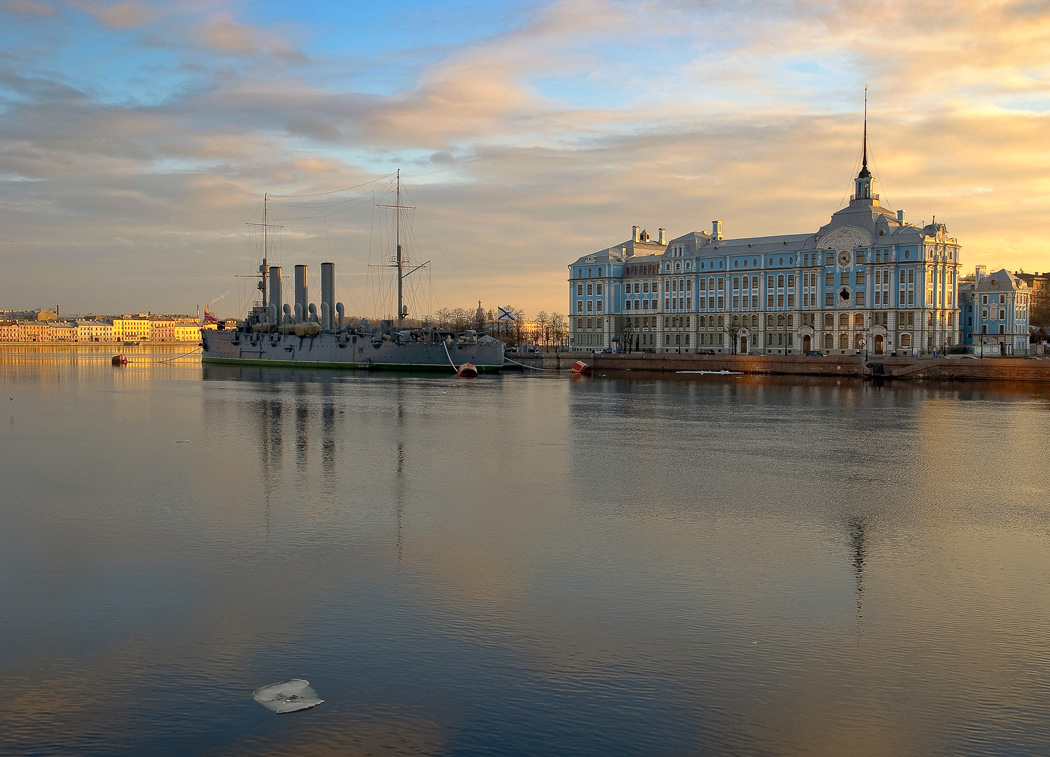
[348, 351]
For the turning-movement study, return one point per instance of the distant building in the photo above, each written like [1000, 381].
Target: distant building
[130, 328]
[187, 332]
[995, 310]
[866, 280]
[95, 331]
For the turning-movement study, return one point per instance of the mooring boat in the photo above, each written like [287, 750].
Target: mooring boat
[282, 334]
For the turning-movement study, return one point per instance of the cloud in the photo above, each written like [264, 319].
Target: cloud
[220, 32]
[31, 8]
[122, 15]
[546, 139]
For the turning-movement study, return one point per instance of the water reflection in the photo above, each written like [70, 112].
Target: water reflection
[523, 564]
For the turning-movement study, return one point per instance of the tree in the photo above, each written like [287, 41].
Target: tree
[559, 328]
[733, 329]
[627, 335]
[542, 319]
[1039, 315]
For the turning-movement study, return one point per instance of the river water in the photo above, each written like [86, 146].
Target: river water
[524, 564]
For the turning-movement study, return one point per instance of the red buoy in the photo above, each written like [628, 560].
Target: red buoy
[581, 368]
[467, 370]
[120, 360]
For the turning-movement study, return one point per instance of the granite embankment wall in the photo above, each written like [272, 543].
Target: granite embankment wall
[963, 369]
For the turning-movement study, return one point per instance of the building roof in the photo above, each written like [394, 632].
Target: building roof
[1000, 281]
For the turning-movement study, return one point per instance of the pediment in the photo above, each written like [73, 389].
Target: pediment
[844, 238]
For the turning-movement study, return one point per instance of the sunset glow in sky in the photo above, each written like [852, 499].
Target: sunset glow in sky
[138, 138]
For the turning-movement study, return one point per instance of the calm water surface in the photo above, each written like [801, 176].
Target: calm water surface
[519, 565]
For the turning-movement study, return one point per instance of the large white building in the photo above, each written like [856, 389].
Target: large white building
[865, 280]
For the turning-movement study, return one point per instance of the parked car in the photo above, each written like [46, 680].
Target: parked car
[756, 353]
[705, 352]
[814, 353]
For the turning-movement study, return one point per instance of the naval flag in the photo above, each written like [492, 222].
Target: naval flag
[505, 315]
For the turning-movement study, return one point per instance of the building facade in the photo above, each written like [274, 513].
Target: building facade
[994, 313]
[865, 281]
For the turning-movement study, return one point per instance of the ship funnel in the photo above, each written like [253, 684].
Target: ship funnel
[302, 293]
[327, 295]
[276, 298]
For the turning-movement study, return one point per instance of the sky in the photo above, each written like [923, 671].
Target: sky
[138, 139]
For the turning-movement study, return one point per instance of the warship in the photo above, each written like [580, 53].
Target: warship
[277, 333]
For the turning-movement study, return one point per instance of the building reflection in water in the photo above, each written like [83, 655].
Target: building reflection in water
[857, 529]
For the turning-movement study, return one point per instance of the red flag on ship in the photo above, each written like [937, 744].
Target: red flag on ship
[209, 318]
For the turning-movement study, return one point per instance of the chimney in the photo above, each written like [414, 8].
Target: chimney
[900, 217]
[663, 236]
[634, 233]
[716, 230]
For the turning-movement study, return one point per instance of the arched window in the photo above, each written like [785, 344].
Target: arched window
[780, 320]
[905, 340]
[843, 321]
[721, 321]
[780, 280]
[858, 320]
[754, 321]
[736, 321]
[843, 341]
[829, 341]
[791, 321]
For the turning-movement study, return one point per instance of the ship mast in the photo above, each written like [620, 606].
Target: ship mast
[399, 260]
[264, 268]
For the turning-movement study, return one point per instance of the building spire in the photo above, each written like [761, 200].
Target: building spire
[864, 172]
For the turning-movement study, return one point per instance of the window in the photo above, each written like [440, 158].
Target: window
[829, 278]
[599, 289]
[579, 290]
[829, 300]
[579, 306]
[780, 281]
[769, 282]
[791, 300]
[599, 306]
[860, 277]
[780, 300]
[769, 300]
[829, 258]
[590, 306]
[791, 281]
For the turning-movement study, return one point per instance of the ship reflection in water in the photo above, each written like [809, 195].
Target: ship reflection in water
[522, 564]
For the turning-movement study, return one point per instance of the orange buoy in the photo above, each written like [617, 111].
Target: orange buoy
[467, 370]
[120, 360]
[581, 368]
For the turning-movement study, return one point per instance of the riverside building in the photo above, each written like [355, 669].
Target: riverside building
[994, 312]
[866, 281]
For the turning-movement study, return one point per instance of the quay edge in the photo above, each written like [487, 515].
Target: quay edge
[897, 368]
